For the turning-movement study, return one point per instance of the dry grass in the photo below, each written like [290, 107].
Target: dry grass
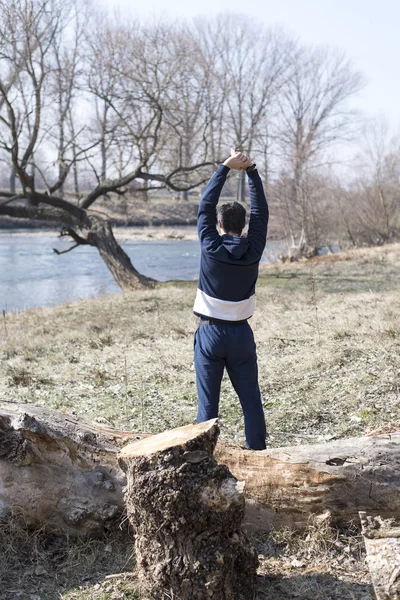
[328, 336]
[321, 564]
[35, 565]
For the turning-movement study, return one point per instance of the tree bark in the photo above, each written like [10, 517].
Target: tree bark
[241, 187]
[13, 178]
[284, 486]
[96, 232]
[62, 472]
[118, 262]
[58, 472]
[382, 543]
[187, 512]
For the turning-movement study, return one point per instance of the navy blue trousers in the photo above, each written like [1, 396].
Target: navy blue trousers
[229, 345]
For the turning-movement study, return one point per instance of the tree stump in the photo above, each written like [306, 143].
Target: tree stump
[382, 543]
[187, 513]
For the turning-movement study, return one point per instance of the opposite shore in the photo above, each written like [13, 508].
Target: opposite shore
[132, 233]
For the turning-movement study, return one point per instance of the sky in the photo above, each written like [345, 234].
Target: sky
[367, 30]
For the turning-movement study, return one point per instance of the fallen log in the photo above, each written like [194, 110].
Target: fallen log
[382, 543]
[284, 486]
[61, 472]
[187, 511]
[58, 472]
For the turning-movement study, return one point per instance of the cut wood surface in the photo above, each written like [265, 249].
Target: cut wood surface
[63, 472]
[382, 543]
[59, 472]
[187, 511]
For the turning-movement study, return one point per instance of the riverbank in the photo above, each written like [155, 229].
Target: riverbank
[157, 212]
[122, 234]
[328, 337]
[163, 214]
[33, 275]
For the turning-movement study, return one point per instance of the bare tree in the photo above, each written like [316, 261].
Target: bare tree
[314, 115]
[66, 56]
[101, 84]
[38, 28]
[156, 105]
[377, 189]
[186, 107]
[248, 63]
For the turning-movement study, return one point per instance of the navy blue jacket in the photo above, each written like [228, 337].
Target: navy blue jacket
[229, 264]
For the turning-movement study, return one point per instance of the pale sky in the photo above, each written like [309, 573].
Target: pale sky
[368, 30]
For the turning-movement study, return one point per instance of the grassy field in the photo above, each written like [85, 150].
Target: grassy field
[328, 338]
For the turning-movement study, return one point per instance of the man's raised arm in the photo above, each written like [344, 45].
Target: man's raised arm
[259, 213]
[207, 214]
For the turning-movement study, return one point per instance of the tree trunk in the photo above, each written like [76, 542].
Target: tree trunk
[13, 178]
[30, 184]
[241, 187]
[75, 173]
[64, 473]
[382, 543]
[285, 486]
[118, 262]
[61, 164]
[92, 230]
[187, 511]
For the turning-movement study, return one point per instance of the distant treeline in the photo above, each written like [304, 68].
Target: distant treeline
[109, 108]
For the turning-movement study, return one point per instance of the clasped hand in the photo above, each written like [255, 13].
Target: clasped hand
[238, 160]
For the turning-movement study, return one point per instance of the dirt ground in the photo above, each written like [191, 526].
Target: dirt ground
[320, 565]
[328, 338]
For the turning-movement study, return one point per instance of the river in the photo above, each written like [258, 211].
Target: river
[32, 275]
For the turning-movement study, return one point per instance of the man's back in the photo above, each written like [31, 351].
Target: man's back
[229, 263]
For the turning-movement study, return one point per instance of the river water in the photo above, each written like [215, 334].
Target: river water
[32, 275]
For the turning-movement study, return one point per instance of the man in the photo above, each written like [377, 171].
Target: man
[225, 298]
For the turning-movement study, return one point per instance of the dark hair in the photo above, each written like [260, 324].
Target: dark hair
[232, 216]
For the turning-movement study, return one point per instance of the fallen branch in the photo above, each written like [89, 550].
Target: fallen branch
[59, 252]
